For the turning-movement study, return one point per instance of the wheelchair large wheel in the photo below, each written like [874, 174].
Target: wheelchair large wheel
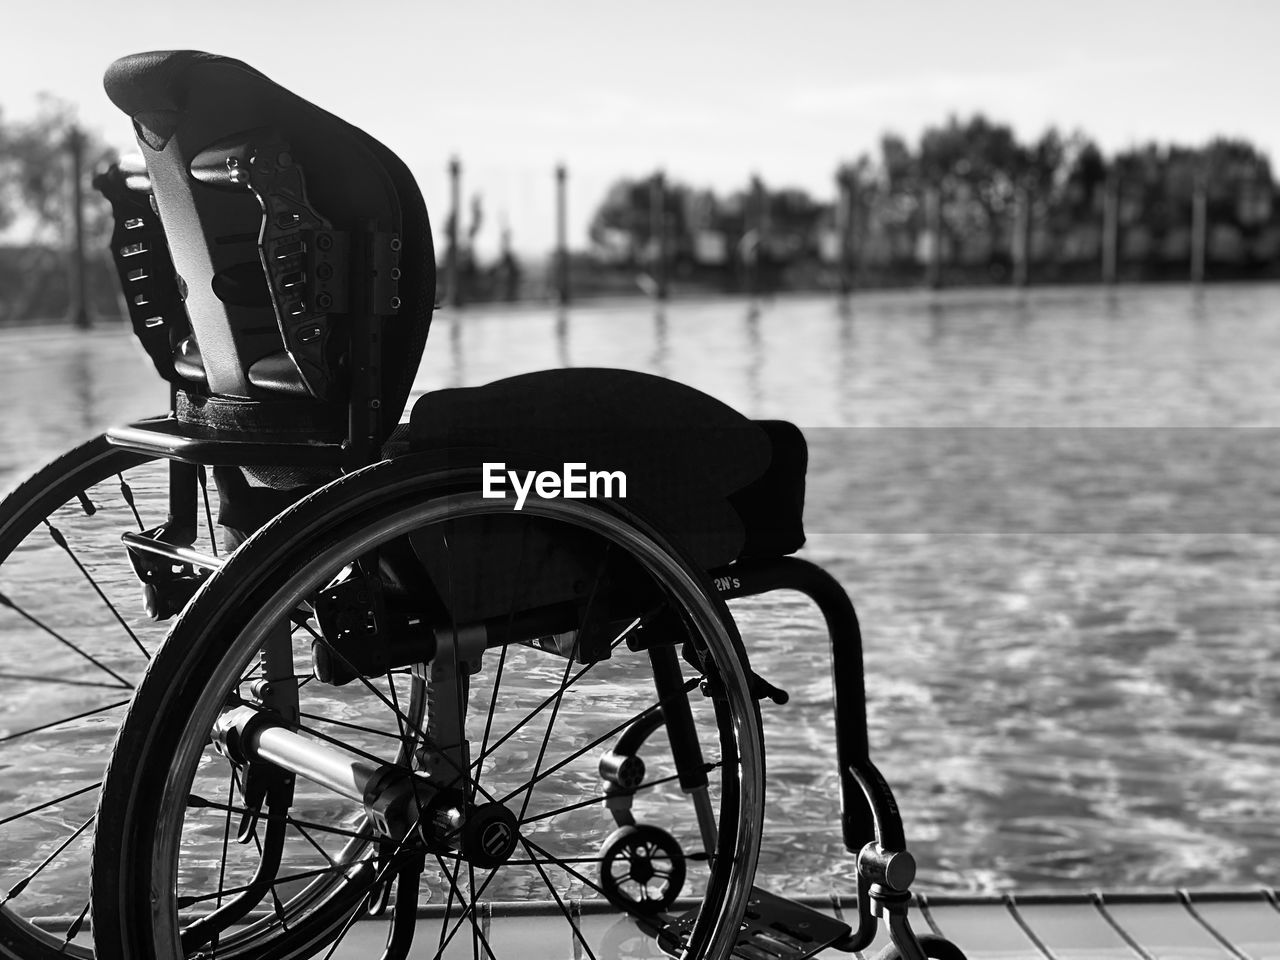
[409, 733]
[74, 639]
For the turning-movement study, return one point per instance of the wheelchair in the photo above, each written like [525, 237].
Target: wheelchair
[389, 699]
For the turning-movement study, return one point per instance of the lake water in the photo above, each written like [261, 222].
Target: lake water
[1058, 513]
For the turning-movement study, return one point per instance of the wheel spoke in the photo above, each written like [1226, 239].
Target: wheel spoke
[51, 803]
[528, 863]
[564, 865]
[311, 840]
[469, 784]
[400, 717]
[555, 709]
[468, 911]
[577, 931]
[319, 734]
[191, 901]
[448, 906]
[6, 601]
[62, 681]
[232, 783]
[57, 723]
[595, 801]
[73, 931]
[379, 877]
[405, 745]
[348, 725]
[560, 693]
[203, 477]
[126, 491]
[502, 659]
[61, 541]
[612, 731]
[475, 926]
[198, 802]
[17, 888]
[551, 697]
[478, 766]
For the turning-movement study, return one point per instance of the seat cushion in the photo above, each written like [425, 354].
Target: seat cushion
[772, 506]
[715, 481]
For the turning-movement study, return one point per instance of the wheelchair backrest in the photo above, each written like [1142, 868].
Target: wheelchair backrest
[288, 230]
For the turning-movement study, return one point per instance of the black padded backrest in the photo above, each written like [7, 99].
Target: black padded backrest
[184, 102]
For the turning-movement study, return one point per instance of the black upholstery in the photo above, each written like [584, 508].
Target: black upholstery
[724, 485]
[772, 505]
[182, 103]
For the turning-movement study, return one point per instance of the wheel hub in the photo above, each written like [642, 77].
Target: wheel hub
[642, 870]
[490, 835]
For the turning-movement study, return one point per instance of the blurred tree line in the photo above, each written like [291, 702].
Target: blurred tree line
[954, 196]
[35, 206]
[964, 200]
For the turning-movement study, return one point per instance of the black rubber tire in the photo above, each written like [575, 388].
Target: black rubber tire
[935, 947]
[132, 799]
[22, 512]
[634, 836]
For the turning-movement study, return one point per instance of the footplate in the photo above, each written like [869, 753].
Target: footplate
[773, 928]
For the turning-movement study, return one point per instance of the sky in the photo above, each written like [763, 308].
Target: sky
[710, 91]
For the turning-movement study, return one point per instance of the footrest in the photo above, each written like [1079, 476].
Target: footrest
[773, 928]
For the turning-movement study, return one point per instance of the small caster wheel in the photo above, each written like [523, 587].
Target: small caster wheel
[935, 948]
[641, 869]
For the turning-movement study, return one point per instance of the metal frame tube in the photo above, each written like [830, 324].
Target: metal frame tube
[169, 551]
[259, 736]
[312, 761]
[867, 808]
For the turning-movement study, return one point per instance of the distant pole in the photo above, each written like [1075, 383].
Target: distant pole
[1199, 225]
[562, 236]
[1021, 235]
[452, 272]
[78, 312]
[1110, 225]
[933, 220]
[658, 232]
[844, 231]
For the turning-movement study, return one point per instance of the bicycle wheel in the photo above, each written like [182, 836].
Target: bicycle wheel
[75, 640]
[471, 744]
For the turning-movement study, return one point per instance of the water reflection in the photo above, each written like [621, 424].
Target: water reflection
[755, 358]
[660, 359]
[1199, 305]
[847, 343]
[457, 366]
[80, 373]
[1053, 707]
[562, 337]
[937, 313]
[1112, 304]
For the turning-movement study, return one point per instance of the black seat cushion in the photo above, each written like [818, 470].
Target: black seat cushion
[772, 506]
[721, 484]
